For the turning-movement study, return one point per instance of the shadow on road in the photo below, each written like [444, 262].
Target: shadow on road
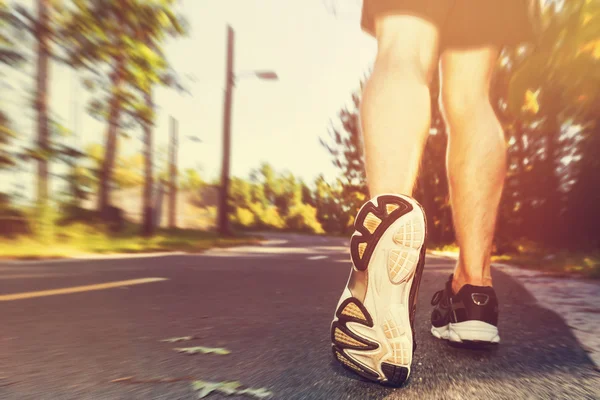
[538, 358]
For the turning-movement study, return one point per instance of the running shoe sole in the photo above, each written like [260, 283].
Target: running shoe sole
[375, 339]
[468, 332]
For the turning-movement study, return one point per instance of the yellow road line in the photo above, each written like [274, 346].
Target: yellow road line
[77, 289]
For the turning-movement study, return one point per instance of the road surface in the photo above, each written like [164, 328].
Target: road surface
[271, 307]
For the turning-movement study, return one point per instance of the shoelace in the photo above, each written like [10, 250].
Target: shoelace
[437, 297]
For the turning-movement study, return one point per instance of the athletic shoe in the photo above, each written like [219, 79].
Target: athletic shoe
[373, 328]
[470, 316]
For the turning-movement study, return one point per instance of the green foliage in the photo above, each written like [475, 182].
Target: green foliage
[78, 182]
[7, 158]
[128, 37]
[554, 88]
[287, 193]
[13, 222]
[336, 205]
[44, 222]
[243, 218]
[279, 201]
[267, 218]
[239, 193]
[270, 200]
[344, 142]
[303, 218]
[257, 194]
[211, 211]
[10, 53]
[70, 214]
[539, 93]
[191, 180]
[345, 145]
[121, 43]
[266, 174]
[127, 174]
[582, 209]
[306, 194]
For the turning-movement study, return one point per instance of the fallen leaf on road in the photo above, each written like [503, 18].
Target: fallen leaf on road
[178, 339]
[127, 378]
[260, 393]
[203, 350]
[133, 380]
[205, 388]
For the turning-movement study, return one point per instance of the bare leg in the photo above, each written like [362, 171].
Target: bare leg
[476, 159]
[383, 285]
[395, 110]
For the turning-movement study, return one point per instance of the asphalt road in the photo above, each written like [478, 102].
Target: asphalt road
[271, 306]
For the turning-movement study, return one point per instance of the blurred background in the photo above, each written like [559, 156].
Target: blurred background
[135, 126]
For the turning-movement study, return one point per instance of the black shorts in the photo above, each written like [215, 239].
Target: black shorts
[463, 23]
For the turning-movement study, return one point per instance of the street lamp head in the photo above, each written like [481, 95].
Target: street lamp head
[267, 75]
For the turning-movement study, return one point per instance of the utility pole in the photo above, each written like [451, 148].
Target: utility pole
[230, 78]
[74, 182]
[75, 110]
[158, 203]
[229, 83]
[147, 203]
[173, 175]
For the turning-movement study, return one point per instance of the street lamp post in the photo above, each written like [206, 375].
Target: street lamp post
[230, 78]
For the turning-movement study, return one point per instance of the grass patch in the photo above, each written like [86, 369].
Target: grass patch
[82, 239]
[557, 262]
[579, 264]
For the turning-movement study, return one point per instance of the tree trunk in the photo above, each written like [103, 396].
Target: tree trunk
[553, 195]
[173, 176]
[158, 203]
[111, 136]
[147, 206]
[41, 103]
[223, 216]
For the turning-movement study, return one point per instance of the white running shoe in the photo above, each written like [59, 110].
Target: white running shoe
[373, 328]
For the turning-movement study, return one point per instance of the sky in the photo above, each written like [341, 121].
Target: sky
[319, 57]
